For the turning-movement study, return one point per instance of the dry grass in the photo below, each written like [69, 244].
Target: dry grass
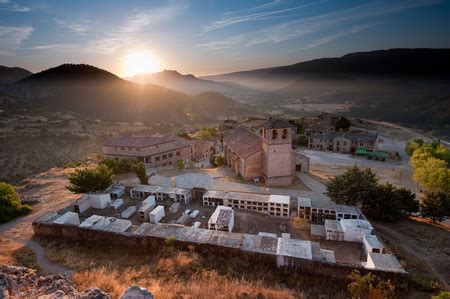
[423, 249]
[170, 272]
[24, 256]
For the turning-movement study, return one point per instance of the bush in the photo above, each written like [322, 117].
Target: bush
[180, 164]
[217, 160]
[72, 164]
[140, 172]
[10, 204]
[435, 205]
[369, 286]
[342, 124]
[120, 165]
[171, 241]
[442, 295]
[90, 180]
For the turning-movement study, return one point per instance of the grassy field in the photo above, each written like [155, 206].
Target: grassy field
[170, 272]
[423, 249]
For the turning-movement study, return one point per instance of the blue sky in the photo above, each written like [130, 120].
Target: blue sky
[208, 37]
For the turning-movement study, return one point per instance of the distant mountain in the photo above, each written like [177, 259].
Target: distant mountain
[12, 74]
[393, 63]
[189, 83]
[95, 92]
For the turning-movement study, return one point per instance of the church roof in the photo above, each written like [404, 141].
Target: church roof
[277, 124]
[243, 142]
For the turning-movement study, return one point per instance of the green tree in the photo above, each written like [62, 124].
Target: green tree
[442, 295]
[139, 170]
[120, 165]
[217, 160]
[352, 187]
[429, 172]
[342, 124]
[435, 205]
[90, 180]
[388, 203]
[10, 204]
[180, 164]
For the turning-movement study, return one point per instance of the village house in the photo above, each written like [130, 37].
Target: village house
[322, 124]
[343, 142]
[267, 156]
[155, 151]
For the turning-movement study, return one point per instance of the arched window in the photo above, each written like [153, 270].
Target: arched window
[274, 134]
[285, 134]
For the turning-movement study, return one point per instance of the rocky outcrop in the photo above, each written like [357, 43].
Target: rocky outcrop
[21, 282]
[136, 292]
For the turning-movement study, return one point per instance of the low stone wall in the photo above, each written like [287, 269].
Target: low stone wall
[128, 239]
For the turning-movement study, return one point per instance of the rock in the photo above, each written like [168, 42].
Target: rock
[95, 293]
[136, 292]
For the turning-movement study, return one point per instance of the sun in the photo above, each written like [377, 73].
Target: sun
[140, 63]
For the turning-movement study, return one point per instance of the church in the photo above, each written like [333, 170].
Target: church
[266, 156]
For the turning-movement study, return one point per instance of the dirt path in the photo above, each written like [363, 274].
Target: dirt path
[49, 189]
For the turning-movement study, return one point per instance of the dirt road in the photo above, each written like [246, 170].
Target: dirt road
[49, 189]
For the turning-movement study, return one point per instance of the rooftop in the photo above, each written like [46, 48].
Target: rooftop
[279, 199]
[373, 241]
[243, 142]
[222, 216]
[277, 124]
[215, 194]
[384, 262]
[348, 224]
[247, 196]
[295, 248]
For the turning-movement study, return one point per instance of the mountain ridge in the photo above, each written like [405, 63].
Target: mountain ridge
[10, 75]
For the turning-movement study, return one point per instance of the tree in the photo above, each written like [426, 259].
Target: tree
[90, 180]
[369, 286]
[180, 164]
[217, 160]
[413, 145]
[139, 170]
[352, 187]
[342, 124]
[435, 205]
[388, 203]
[429, 172]
[120, 165]
[442, 295]
[10, 204]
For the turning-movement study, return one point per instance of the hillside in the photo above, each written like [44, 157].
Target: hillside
[12, 74]
[97, 93]
[407, 86]
[190, 84]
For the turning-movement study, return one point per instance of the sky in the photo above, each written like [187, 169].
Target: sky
[209, 37]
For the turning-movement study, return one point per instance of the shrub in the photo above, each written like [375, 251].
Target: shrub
[435, 205]
[10, 204]
[217, 160]
[140, 172]
[171, 241]
[180, 164]
[369, 286]
[90, 180]
[120, 165]
[342, 124]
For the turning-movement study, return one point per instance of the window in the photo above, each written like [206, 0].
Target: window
[285, 134]
[130, 148]
[178, 153]
[138, 149]
[122, 148]
[170, 155]
[274, 134]
[156, 158]
[164, 157]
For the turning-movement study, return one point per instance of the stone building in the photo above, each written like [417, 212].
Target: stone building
[343, 142]
[322, 124]
[267, 156]
[155, 151]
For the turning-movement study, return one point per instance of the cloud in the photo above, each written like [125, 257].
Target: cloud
[225, 22]
[133, 30]
[300, 28]
[7, 5]
[78, 28]
[12, 37]
[259, 7]
[333, 37]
